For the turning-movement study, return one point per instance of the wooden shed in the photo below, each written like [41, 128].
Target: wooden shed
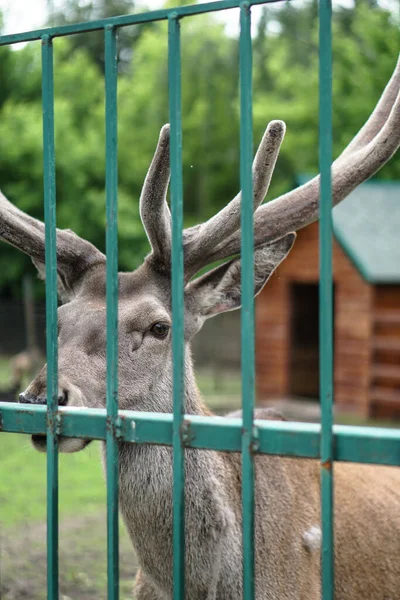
[366, 270]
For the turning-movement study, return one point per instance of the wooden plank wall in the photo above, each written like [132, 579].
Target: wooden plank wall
[353, 325]
[272, 338]
[385, 371]
[353, 335]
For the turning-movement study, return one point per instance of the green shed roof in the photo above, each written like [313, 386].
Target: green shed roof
[367, 226]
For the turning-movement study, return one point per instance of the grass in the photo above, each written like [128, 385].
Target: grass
[82, 509]
[23, 482]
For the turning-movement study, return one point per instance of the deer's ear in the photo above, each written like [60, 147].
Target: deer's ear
[66, 278]
[64, 291]
[219, 290]
[74, 254]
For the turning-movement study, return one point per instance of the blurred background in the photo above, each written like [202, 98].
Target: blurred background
[285, 86]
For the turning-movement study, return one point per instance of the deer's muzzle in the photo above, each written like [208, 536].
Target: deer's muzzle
[29, 398]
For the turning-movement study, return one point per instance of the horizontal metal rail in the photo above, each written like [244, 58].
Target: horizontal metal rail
[371, 445]
[126, 20]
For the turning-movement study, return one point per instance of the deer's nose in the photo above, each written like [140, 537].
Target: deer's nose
[29, 398]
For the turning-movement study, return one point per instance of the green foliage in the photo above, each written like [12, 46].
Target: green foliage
[285, 86]
[78, 11]
[209, 109]
[364, 55]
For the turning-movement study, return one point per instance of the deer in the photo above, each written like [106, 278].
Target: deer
[287, 490]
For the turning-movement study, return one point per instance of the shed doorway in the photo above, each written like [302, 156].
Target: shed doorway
[304, 340]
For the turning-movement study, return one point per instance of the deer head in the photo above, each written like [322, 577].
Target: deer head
[145, 361]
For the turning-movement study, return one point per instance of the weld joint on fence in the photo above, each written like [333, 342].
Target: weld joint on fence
[174, 16]
[187, 434]
[114, 426]
[251, 440]
[58, 424]
[47, 39]
[255, 440]
[128, 430]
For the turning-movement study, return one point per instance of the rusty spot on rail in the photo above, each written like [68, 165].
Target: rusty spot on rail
[327, 465]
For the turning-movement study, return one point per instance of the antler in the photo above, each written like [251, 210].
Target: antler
[154, 210]
[74, 254]
[373, 146]
[199, 241]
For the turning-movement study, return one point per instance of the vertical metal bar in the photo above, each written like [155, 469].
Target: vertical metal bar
[247, 316]
[112, 310]
[325, 297]
[174, 87]
[51, 315]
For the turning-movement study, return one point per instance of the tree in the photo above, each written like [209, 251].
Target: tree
[363, 60]
[285, 86]
[209, 108]
[76, 11]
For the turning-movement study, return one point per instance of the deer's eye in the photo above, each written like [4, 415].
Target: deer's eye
[160, 330]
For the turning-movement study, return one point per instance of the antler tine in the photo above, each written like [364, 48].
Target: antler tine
[74, 254]
[6, 206]
[14, 224]
[199, 241]
[376, 143]
[154, 211]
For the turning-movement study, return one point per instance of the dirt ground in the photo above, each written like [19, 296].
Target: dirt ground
[82, 564]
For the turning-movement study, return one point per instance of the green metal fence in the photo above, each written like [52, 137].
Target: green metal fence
[327, 442]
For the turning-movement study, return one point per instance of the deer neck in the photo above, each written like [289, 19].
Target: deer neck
[145, 481]
[159, 397]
